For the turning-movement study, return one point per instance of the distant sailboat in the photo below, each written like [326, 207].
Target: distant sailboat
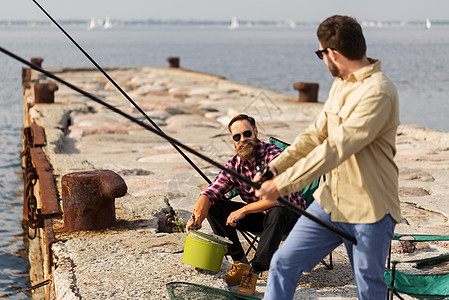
[92, 24]
[107, 24]
[234, 23]
[428, 24]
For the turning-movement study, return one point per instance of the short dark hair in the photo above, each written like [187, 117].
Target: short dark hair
[343, 34]
[240, 117]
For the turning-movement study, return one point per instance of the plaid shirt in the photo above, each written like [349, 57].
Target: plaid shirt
[224, 183]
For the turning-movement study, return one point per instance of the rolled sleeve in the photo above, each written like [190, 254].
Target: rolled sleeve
[219, 187]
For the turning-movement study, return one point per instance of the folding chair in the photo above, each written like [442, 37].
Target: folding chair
[307, 193]
[429, 285]
[420, 286]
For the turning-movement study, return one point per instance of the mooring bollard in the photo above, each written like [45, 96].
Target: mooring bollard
[308, 91]
[45, 92]
[173, 61]
[37, 61]
[88, 199]
[26, 72]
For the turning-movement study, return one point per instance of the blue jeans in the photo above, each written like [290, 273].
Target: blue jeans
[308, 243]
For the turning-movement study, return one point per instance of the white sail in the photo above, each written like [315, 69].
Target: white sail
[107, 24]
[428, 24]
[234, 23]
[91, 24]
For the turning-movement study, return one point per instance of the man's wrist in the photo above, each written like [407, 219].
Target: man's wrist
[244, 210]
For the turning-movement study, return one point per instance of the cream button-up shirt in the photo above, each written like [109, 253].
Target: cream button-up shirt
[352, 139]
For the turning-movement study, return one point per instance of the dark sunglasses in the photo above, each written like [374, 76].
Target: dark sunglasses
[319, 53]
[247, 133]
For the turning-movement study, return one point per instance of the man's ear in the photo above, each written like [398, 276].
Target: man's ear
[332, 53]
[256, 132]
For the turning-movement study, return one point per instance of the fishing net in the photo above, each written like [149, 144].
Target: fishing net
[187, 291]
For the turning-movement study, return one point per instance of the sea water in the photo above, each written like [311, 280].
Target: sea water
[268, 57]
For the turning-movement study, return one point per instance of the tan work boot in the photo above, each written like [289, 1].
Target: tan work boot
[248, 284]
[235, 273]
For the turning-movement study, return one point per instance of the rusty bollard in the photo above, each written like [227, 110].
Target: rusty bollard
[26, 72]
[45, 92]
[88, 199]
[308, 91]
[173, 61]
[37, 61]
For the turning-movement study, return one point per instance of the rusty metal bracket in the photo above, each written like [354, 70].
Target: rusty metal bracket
[38, 134]
[36, 167]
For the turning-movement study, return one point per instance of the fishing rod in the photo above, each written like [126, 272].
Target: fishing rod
[232, 173]
[121, 90]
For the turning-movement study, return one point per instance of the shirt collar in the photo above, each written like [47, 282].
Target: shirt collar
[365, 72]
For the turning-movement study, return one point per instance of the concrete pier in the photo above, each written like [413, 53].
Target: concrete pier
[133, 259]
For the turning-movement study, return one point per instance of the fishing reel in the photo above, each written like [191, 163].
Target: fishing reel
[265, 172]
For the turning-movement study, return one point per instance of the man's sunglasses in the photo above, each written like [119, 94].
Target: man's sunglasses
[247, 133]
[319, 53]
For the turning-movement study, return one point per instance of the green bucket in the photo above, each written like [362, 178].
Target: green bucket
[203, 254]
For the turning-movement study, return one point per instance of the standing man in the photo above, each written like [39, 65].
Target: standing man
[256, 215]
[353, 139]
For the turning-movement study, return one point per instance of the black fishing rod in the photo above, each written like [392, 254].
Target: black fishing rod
[121, 90]
[232, 173]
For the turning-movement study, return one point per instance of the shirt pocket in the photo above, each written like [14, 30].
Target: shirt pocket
[333, 118]
[338, 116]
[347, 109]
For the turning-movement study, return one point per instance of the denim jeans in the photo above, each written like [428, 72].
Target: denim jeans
[308, 243]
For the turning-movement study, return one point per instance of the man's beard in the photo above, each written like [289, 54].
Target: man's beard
[333, 69]
[249, 152]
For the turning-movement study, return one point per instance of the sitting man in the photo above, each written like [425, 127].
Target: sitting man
[256, 215]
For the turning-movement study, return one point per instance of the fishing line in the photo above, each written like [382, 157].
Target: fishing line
[120, 90]
[232, 173]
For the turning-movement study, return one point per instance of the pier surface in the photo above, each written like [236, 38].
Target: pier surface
[133, 260]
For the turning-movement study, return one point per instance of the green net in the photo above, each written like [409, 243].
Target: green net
[185, 291]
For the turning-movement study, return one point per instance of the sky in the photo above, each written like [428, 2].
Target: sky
[254, 10]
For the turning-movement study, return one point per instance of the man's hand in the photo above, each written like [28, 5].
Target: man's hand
[258, 176]
[199, 213]
[234, 217]
[268, 191]
[193, 224]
